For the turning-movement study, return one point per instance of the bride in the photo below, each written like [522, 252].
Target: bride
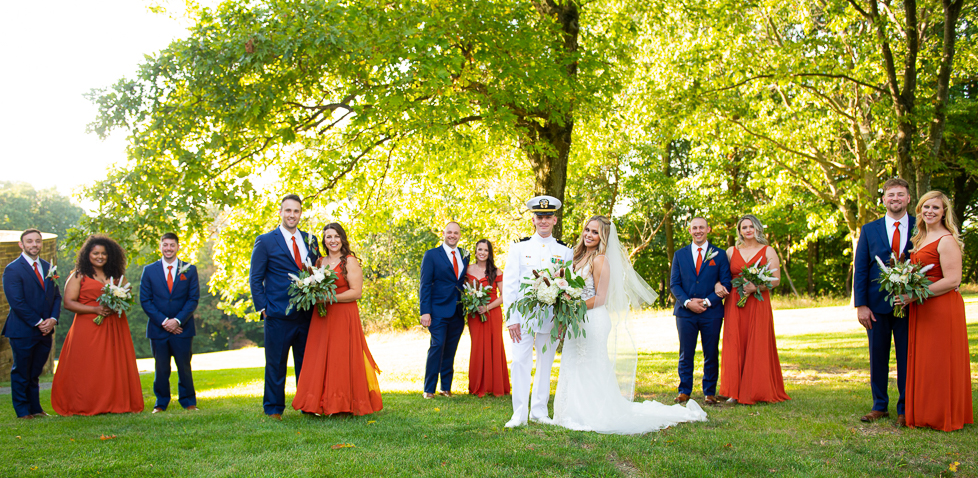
[597, 370]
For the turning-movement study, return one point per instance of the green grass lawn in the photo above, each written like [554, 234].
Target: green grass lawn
[817, 433]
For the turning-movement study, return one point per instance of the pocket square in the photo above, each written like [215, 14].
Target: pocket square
[712, 263]
[183, 277]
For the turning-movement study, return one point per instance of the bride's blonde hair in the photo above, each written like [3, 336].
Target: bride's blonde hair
[581, 254]
[947, 221]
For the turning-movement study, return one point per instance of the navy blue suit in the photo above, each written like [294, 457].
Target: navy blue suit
[439, 296]
[160, 304]
[686, 284]
[873, 242]
[271, 264]
[30, 303]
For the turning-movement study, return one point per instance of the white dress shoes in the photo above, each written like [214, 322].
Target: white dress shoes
[515, 422]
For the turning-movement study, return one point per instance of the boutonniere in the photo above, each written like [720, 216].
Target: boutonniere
[311, 242]
[52, 273]
[710, 255]
[463, 253]
[183, 268]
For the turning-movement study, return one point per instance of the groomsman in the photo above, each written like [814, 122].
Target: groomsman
[539, 251]
[35, 304]
[442, 276]
[169, 293]
[699, 310]
[889, 235]
[278, 253]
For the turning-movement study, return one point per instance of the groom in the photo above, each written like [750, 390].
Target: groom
[35, 303]
[539, 251]
[699, 310]
[442, 276]
[278, 253]
[886, 236]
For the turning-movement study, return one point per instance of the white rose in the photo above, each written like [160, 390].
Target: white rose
[119, 293]
[562, 283]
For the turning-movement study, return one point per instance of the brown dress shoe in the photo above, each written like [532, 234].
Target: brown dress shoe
[710, 400]
[158, 410]
[26, 417]
[445, 393]
[41, 415]
[682, 398]
[427, 396]
[275, 416]
[192, 408]
[901, 420]
[874, 415]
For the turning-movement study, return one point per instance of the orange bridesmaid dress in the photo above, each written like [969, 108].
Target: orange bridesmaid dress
[338, 373]
[97, 370]
[750, 371]
[938, 361]
[487, 363]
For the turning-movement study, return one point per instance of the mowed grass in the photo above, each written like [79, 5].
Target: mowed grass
[817, 433]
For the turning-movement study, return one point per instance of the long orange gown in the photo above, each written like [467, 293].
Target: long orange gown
[750, 371]
[938, 363]
[338, 373]
[487, 363]
[97, 370]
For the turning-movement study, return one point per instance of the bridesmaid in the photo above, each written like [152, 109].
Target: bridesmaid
[339, 374]
[487, 364]
[938, 361]
[97, 368]
[750, 371]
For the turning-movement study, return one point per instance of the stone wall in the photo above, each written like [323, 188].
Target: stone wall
[9, 251]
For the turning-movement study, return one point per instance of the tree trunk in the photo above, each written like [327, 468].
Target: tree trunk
[667, 223]
[811, 269]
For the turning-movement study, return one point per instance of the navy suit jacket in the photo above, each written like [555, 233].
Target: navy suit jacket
[160, 304]
[440, 289]
[874, 242]
[271, 264]
[686, 284]
[29, 302]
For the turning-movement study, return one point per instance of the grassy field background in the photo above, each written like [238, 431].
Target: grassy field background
[817, 433]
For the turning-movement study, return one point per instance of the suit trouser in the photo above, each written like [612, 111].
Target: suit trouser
[522, 354]
[181, 349]
[280, 335]
[689, 328]
[445, 334]
[887, 325]
[29, 356]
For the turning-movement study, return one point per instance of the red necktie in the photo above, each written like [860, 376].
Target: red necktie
[169, 278]
[699, 259]
[454, 263]
[295, 251]
[41, 280]
[896, 240]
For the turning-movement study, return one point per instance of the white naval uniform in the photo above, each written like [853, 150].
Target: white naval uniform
[524, 257]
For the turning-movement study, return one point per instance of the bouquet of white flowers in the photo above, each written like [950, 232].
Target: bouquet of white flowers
[115, 296]
[475, 295]
[559, 288]
[756, 274]
[903, 278]
[312, 286]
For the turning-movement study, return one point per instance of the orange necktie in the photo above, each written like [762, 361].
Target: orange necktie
[295, 251]
[41, 280]
[454, 263]
[699, 259]
[169, 278]
[896, 240]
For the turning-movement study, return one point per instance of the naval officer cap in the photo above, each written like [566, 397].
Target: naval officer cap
[543, 205]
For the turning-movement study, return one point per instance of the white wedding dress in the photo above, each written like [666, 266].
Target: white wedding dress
[588, 395]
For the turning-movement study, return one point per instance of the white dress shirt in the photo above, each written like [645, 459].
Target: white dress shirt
[175, 271]
[303, 252]
[458, 257]
[695, 249]
[40, 268]
[904, 227]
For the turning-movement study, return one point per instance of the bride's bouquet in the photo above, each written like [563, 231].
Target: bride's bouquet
[475, 295]
[903, 277]
[559, 288]
[755, 274]
[115, 296]
[312, 286]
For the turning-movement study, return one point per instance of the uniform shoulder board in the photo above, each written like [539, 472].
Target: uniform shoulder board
[527, 238]
[562, 243]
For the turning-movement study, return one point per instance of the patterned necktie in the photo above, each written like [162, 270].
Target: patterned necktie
[169, 278]
[38, 273]
[699, 259]
[896, 240]
[295, 252]
[454, 263]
